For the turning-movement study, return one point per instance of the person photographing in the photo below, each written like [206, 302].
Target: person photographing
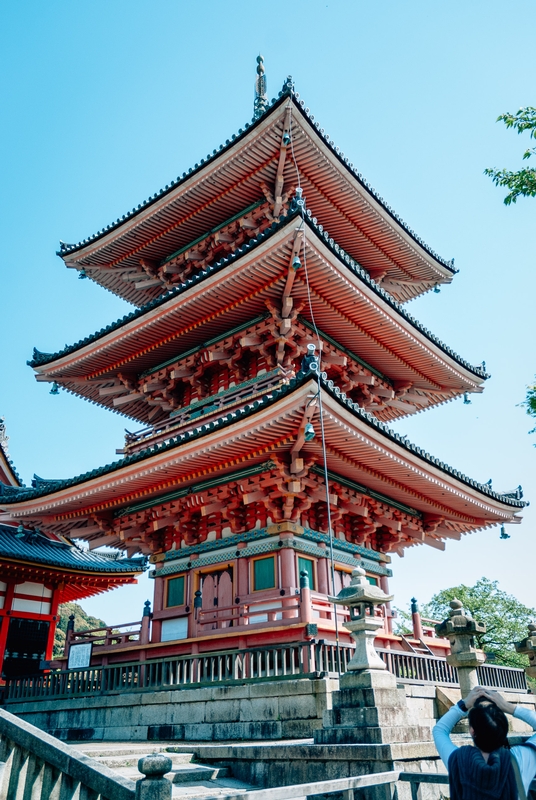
[490, 769]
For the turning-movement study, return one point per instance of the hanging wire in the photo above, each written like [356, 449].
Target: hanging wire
[319, 395]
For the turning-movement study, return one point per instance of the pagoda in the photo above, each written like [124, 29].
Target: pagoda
[269, 349]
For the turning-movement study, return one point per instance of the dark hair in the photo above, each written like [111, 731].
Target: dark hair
[489, 724]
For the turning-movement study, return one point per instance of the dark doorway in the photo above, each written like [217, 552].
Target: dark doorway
[25, 647]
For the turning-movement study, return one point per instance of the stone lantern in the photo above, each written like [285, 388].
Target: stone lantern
[460, 630]
[527, 647]
[362, 598]
[369, 708]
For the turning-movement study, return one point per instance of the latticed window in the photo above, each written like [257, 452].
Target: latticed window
[175, 592]
[264, 573]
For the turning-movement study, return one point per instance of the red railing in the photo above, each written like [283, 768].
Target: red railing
[293, 660]
[128, 632]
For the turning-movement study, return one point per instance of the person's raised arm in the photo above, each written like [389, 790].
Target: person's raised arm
[444, 726]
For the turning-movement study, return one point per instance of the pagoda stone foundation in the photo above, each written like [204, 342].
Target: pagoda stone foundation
[363, 723]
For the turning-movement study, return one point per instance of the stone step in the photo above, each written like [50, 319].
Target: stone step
[105, 749]
[188, 777]
[131, 759]
[227, 787]
[347, 734]
[197, 772]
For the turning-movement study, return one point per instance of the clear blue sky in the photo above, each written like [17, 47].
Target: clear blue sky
[105, 102]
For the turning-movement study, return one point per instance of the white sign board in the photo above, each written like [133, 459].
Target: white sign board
[80, 655]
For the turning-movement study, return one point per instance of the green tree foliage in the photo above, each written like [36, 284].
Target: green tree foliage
[505, 617]
[82, 622]
[523, 182]
[530, 402]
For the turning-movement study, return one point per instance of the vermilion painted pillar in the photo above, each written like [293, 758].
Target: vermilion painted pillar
[10, 591]
[323, 567]
[322, 572]
[289, 581]
[242, 583]
[158, 605]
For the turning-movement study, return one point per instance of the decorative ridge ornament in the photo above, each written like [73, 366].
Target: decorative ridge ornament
[260, 103]
[288, 86]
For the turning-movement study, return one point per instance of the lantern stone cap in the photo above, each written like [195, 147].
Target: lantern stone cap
[528, 644]
[361, 591]
[458, 622]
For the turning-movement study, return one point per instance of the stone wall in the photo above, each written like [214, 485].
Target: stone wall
[426, 703]
[289, 709]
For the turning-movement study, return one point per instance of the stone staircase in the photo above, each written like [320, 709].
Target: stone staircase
[189, 779]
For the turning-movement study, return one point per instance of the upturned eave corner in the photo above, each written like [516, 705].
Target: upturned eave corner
[167, 298]
[299, 384]
[72, 253]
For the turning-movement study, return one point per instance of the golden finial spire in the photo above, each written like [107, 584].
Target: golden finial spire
[261, 100]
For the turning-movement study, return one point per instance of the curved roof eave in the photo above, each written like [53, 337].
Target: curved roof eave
[40, 359]
[59, 555]
[6, 465]
[287, 91]
[228, 419]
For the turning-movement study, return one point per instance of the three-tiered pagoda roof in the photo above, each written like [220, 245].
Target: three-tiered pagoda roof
[271, 245]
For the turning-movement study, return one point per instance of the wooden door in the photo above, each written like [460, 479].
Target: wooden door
[217, 597]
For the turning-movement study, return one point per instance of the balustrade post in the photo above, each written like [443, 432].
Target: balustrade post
[460, 630]
[198, 605]
[306, 609]
[416, 620]
[154, 786]
[145, 631]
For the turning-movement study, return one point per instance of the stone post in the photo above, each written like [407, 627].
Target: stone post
[460, 630]
[527, 647]
[154, 786]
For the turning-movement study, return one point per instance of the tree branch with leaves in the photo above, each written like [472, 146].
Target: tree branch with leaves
[523, 182]
[506, 618]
